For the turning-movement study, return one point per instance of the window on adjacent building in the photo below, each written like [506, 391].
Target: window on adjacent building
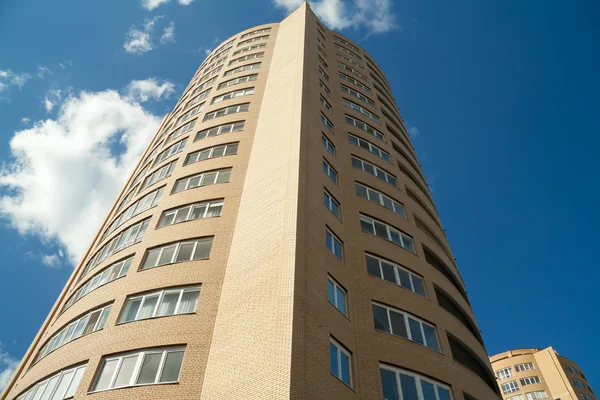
[104, 276]
[226, 111]
[355, 140]
[578, 383]
[212, 152]
[340, 362]
[517, 397]
[158, 175]
[365, 127]
[400, 323]
[330, 172]
[170, 151]
[187, 250]
[326, 122]
[392, 272]
[529, 380]
[332, 204]
[510, 387]
[242, 68]
[328, 145]
[59, 386]
[336, 295]
[374, 170]
[524, 367]
[399, 384]
[367, 192]
[505, 373]
[334, 244]
[220, 129]
[202, 179]
[160, 303]
[234, 94]
[387, 232]
[540, 394]
[191, 212]
[236, 81]
[361, 110]
[140, 367]
[325, 104]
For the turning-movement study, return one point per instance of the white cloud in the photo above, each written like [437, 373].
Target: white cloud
[374, 15]
[8, 364]
[206, 50]
[52, 98]
[9, 78]
[65, 172]
[185, 2]
[413, 131]
[168, 34]
[139, 41]
[152, 4]
[25, 120]
[51, 260]
[146, 89]
[66, 64]
[43, 71]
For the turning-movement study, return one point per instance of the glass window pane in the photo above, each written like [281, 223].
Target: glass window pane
[168, 304]
[131, 310]
[114, 272]
[373, 267]
[224, 176]
[50, 388]
[341, 300]
[381, 318]
[106, 374]
[148, 306]
[63, 385]
[75, 382]
[366, 226]
[203, 248]
[345, 367]
[180, 186]
[430, 337]
[381, 230]
[409, 387]
[443, 394]
[361, 191]
[418, 285]
[387, 203]
[103, 318]
[388, 272]
[214, 210]
[209, 178]
[330, 292]
[149, 368]
[219, 151]
[182, 214]
[189, 301]
[333, 359]
[198, 211]
[231, 149]
[415, 331]
[92, 322]
[404, 278]
[80, 326]
[170, 372]
[151, 258]
[388, 383]
[398, 324]
[125, 267]
[428, 390]
[126, 371]
[193, 182]
[185, 252]
[167, 255]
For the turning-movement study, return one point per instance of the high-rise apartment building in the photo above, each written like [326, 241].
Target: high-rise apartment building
[531, 374]
[276, 241]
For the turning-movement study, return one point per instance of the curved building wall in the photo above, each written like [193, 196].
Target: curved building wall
[324, 274]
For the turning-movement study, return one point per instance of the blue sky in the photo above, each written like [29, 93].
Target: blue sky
[501, 98]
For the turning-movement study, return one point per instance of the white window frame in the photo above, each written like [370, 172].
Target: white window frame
[529, 380]
[364, 126]
[504, 373]
[342, 350]
[255, 32]
[325, 104]
[342, 41]
[397, 268]
[347, 51]
[326, 122]
[377, 172]
[254, 39]
[524, 367]
[357, 94]
[365, 144]
[329, 201]
[330, 171]
[510, 387]
[221, 112]
[338, 290]
[353, 106]
[351, 61]
[181, 131]
[233, 94]
[246, 58]
[539, 394]
[418, 382]
[323, 74]
[220, 129]
[161, 295]
[190, 113]
[391, 233]
[352, 71]
[177, 245]
[334, 239]
[329, 146]
[382, 199]
[170, 151]
[204, 86]
[250, 48]
[242, 68]
[209, 204]
[157, 175]
[236, 81]
[211, 152]
[201, 177]
[324, 88]
[76, 373]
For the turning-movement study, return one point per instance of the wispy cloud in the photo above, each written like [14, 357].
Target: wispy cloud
[52, 260]
[144, 90]
[168, 33]
[66, 64]
[375, 16]
[9, 78]
[8, 364]
[52, 98]
[152, 4]
[140, 40]
[42, 72]
[413, 131]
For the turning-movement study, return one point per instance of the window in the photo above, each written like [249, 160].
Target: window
[210, 74]
[91, 322]
[541, 394]
[403, 385]
[170, 151]
[580, 395]
[392, 272]
[400, 323]
[510, 387]
[212, 152]
[524, 367]
[334, 244]
[530, 380]
[353, 71]
[234, 94]
[332, 204]
[246, 58]
[145, 203]
[365, 127]
[387, 232]
[181, 130]
[324, 88]
[373, 170]
[336, 295]
[328, 145]
[62, 385]
[190, 212]
[378, 197]
[158, 175]
[340, 362]
[323, 62]
[345, 50]
[195, 110]
[107, 275]
[198, 98]
[517, 397]
[242, 68]
[361, 110]
[128, 237]
[342, 41]
[204, 86]
[142, 172]
[188, 250]
[250, 48]
[572, 370]
[351, 61]
[236, 81]
[325, 104]
[254, 39]
[577, 383]
[326, 122]
[505, 373]
[220, 129]
[321, 51]
[202, 179]
[330, 172]
[160, 303]
[255, 32]
[370, 147]
[356, 94]
[140, 367]
[226, 111]
[323, 74]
